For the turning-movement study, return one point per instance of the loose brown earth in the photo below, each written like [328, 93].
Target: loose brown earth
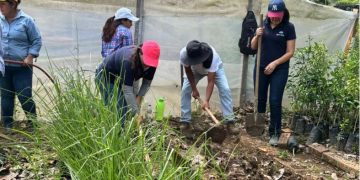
[238, 157]
[246, 157]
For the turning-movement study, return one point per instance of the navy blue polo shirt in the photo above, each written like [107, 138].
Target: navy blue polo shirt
[121, 64]
[274, 43]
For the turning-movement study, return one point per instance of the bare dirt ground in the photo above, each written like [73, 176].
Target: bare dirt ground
[238, 157]
[246, 157]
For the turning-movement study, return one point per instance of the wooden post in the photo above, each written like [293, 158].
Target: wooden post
[181, 75]
[243, 86]
[244, 71]
[139, 25]
[352, 33]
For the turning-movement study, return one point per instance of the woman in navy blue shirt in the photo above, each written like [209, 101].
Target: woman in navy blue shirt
[123, 67]
[278, 46]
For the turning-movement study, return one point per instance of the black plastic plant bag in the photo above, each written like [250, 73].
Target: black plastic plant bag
[333, 132]
[314, 136]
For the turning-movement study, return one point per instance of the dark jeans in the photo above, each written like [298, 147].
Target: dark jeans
[107, 90]
[277, 81]
[17, 81]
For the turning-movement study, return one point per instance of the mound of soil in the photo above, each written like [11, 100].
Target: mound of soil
[244, 157]
[233, 158]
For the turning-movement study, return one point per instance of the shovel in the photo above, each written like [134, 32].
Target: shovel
[216, 132]
[255, 124]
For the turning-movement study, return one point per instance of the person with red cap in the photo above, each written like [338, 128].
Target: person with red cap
[122, 68]
[278, 46]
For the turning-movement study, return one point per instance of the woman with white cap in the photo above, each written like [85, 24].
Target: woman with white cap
[116, 31]
[278, 46]
[21, 41]
[123, 67]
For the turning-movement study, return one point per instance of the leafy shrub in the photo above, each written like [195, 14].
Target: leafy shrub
[325, 86]
[308, 80]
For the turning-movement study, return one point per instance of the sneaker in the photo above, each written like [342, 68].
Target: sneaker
[186, 129]
[232, 129]
[185, 126]
[8, 131]
[274, 140]
[27, 126]
[7, 128]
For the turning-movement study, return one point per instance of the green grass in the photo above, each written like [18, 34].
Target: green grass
[87, 137]
[283, 154]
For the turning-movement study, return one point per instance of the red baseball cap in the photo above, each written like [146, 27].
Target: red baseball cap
[275, 14]
[151, 53]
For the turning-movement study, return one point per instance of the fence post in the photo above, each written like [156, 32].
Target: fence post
[244, 71]
[139, 25]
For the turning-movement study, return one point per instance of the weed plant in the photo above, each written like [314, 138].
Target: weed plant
[88, 138]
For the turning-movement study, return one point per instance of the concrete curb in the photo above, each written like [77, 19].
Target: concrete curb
[332, 158]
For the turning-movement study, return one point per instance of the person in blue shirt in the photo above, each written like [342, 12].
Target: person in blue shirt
[116, 31]
[278, 46]
[21, 41]
[124, 67]
[2, 65]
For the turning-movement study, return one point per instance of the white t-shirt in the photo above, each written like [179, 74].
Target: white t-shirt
[199, 68]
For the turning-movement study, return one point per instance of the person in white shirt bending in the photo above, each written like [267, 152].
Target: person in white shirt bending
[200, 60]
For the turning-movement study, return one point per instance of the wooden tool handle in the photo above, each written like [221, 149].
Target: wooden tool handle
[212, 116]
[258, 68]
[209, 112]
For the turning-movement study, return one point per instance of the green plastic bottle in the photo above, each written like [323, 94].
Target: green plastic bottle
[159, 109]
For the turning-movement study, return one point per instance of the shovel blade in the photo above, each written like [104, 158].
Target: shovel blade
[255, 126]
[217, 134]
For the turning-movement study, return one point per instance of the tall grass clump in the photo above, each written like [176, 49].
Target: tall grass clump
[89, 140]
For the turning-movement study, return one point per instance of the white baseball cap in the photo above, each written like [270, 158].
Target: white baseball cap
[125, 13]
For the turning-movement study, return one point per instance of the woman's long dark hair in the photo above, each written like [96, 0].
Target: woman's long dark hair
[286, 15]
[138, 68]
[110, 28]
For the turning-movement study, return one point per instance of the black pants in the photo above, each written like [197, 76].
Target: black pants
[277, 81]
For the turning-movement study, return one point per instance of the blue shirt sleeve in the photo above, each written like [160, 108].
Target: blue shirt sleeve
[1, 49]
[149, 74]
[121, 38]
[125, 37]
[20, 38]
[128, 73]
[2, 66]
[34, 38]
